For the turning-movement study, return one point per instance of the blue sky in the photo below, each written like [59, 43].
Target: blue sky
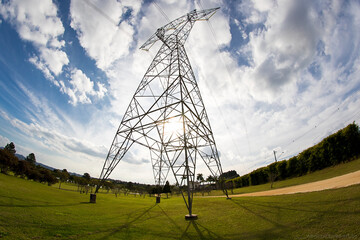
[274, 75]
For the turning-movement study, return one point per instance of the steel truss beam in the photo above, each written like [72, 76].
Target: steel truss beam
[167, 114]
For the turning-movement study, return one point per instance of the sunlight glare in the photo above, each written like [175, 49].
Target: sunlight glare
[173, 127]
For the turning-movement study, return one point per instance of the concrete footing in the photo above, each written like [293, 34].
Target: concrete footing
[92, 198]
[191, 217]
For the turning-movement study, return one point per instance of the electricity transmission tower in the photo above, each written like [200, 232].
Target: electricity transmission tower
[167, 114]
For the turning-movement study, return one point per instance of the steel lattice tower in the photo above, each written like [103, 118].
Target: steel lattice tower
[167, 114]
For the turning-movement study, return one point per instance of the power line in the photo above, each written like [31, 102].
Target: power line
[348, 119]
[317, 125]
[161, 11]
[323, 120]
[93, 6]
[227, 70]
[199, 2]
[212, 95]
[106, 16]
[230, 78]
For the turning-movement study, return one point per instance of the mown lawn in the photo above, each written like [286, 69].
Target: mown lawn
[30, 210]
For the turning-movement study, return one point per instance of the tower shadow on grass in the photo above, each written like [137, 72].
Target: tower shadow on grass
[173, 222]
[259, 215]
[201, 232]
[28, 203]
[128, 224]
[275, 232]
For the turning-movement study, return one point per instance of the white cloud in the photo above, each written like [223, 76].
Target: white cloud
[41, 65]
[37, 22]
[78, 149]
[277, 99]
[38, 110]
[82, 88]
[283, 49]
[102, 32]
[3, 141]
[126, 73]
[54, 59]
[52, 139]
[303, 72]
[42, 27]
[50, 62]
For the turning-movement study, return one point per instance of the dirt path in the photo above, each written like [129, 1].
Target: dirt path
[336, 182]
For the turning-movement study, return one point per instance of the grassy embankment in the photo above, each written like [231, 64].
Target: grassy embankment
[323, 174]
[30, 210]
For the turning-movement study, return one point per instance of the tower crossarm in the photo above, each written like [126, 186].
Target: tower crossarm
[177, 26]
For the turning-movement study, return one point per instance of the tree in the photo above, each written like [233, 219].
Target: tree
[63, 176]
[31, 158]
[80, 181]
[200, 177]
[292, 167]
[258, 176]
[86, 181]
[155, 190]
[273, 173]
[230, 185]
[47, 176]
[23, 168]
[281, 168]
[87, 177]
[167, 189]
[210, 179]
[129, 186]
[34, 174]
[7, 161]
[10, 147]
[107, 185]
[229, 174]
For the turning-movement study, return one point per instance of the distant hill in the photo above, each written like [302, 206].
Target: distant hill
[19, 156]
[45, 166]
[75, 174]
[52, 169]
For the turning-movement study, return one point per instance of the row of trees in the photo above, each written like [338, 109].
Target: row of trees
[210, 179]
[28, 169]
[24, 168]
[340, 147]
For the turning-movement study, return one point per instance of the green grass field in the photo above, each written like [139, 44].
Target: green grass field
[30, 210]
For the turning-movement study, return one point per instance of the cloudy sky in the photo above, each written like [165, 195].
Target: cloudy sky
[274, 75]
